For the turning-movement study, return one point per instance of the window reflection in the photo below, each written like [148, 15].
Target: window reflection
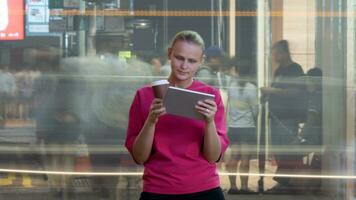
[65, 92]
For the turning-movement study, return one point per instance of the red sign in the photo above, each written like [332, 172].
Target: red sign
[12, 20]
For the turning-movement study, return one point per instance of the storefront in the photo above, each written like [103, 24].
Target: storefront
[103, 50]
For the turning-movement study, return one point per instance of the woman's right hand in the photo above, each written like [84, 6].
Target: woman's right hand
[156, 110]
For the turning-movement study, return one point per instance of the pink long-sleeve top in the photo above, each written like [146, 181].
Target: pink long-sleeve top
[176, 164]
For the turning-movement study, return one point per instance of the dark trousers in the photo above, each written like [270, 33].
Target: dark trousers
[213, 194]
[104, 162]
[99, 135]
[283, 133]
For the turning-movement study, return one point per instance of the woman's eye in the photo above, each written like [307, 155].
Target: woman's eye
[192, 61]
[179, 58]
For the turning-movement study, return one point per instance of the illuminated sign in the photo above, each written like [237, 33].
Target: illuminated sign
[11, 20]
[125, 55]
[37, 17]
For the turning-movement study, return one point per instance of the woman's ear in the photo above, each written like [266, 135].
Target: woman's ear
[203, 59]
[169, 52]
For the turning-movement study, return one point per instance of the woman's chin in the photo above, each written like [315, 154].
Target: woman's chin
[182, 78]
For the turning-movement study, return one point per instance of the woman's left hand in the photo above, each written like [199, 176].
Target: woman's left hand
[207, 108]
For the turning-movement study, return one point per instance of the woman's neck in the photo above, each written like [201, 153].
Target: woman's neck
[180, 84]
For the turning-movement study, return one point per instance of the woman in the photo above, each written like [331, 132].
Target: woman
[242, 124]
[178, 154]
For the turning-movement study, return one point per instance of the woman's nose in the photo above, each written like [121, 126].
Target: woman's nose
[184, 64]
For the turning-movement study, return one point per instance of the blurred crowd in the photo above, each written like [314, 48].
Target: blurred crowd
[85, 100]
[17, 93]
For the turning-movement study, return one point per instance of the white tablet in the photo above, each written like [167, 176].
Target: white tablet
[182, 102]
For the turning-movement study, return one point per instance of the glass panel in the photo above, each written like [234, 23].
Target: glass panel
[73, 101]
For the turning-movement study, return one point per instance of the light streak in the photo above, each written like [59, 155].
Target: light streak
[192, 13]
[348, 177]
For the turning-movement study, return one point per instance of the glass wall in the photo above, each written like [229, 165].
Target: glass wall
[70, 69]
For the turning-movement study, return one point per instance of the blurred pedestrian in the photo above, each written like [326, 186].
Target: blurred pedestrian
[285, 111]
[242, 116]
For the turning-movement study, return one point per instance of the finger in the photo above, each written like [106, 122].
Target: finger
[203, 113]
[159, 114]
[156, 100]
[162, 109]
[205, 110]
[159, 110]
[157, 103]
[210, 107]
[200, 108]
[207, 115]
[205, 105]
[210, 102]
[156, 106]
[162, 113]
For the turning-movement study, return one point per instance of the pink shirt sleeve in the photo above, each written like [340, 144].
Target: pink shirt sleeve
[136, 122]
[220, 123]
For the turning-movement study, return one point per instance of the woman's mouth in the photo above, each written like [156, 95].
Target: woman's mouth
[182, 73]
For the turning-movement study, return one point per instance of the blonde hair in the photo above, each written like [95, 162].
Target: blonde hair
[189, 36]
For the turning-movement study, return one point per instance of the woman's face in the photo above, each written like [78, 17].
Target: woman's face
[185, 58]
